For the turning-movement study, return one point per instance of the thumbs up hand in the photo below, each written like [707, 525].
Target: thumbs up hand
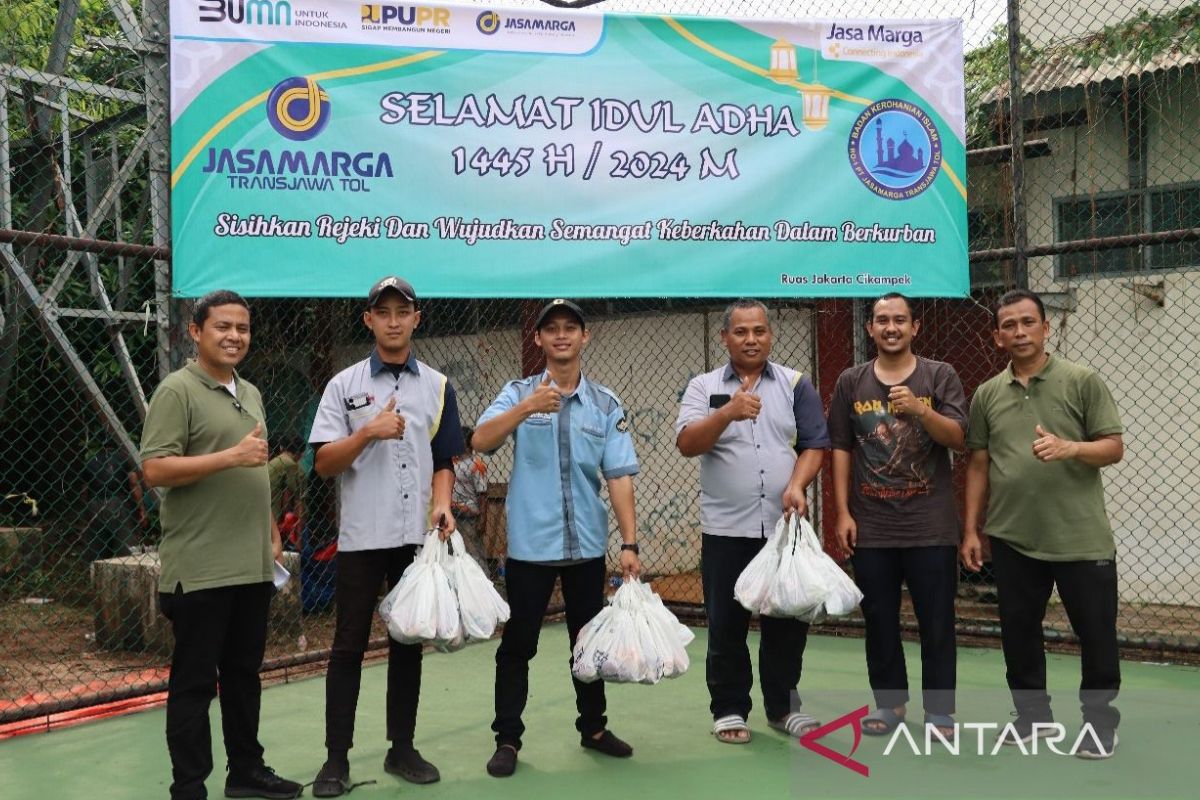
[744, 404]
[387, 424]
[546, 399]
[1048, 447]
[251, 451]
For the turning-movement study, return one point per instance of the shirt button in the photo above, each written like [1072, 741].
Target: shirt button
[405, 497]
[404, 466]
[762, 472]
[762, 495]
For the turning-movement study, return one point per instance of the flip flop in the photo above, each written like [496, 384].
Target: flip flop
[889, 719]
[795, 724]
[732, 723]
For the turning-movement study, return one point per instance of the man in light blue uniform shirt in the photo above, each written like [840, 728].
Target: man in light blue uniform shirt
[568, 433]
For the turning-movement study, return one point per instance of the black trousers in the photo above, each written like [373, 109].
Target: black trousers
[1088, 590]
[780, 646]
[220, 636]
[360, 575]
[931, 574]
[529, 589]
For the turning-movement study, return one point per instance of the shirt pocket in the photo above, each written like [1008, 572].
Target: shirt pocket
[536, 445]
[359, 417]
[591, 443]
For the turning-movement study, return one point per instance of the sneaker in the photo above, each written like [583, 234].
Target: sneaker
[1022, 730]
[261, 782]
[409, 765]
[503, 762]
[333, 780]
[1102, 745]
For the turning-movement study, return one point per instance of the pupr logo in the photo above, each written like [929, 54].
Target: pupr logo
[895, 149]
[298, 108]
[488, 22]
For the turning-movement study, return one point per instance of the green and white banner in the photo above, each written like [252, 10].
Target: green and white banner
[317, 145]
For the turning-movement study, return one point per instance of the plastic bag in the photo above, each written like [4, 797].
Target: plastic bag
[480, 606]
[754, 584]
[634, 639]
[422, 607]
[799, 587]
[843, 595]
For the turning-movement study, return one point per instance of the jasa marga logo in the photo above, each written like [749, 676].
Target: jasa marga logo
[298, 109]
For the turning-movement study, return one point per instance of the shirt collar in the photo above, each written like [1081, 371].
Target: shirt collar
[377, 363]
[1043, 373]
[730, 373]
[578, 389]
[193, 366]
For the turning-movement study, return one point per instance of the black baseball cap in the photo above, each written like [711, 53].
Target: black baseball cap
[553, 306]
[403, 287]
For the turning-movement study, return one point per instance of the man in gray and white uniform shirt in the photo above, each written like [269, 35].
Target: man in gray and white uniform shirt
[759, 430]
[388, 428]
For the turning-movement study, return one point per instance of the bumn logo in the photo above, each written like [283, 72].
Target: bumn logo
[249, 12]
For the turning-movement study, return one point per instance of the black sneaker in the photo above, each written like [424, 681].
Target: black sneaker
[409, 765]
[261, 782]
[503, 762]
[1022, 730]
[1097, 747]
[333, 780]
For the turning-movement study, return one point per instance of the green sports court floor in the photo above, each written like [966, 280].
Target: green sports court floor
[668, 725]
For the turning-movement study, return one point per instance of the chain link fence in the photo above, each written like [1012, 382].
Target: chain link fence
[1093, 199]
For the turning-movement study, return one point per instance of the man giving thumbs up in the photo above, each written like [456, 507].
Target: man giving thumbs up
[388, 428]
[205, 441]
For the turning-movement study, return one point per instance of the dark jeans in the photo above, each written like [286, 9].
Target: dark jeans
[360, 575]
[1088, 590]
[780, 645]
[529, 588]
[220, 636]
[931, 574]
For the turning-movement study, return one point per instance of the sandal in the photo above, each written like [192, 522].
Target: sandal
[944, 723]
[727, 729]
[885, 717]
[795, 724]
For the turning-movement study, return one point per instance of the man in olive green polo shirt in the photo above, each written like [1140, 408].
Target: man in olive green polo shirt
[1039, 433]
[205, 441]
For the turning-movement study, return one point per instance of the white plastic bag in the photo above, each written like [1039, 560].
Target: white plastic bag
[634, 639]
[422, 607]
[480, 606]
[843, 596]
[754, 584]
[799, 588]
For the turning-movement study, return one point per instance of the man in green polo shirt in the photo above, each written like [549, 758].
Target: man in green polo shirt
[205, 441]
[1039, 432]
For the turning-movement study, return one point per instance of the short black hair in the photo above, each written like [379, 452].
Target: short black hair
[289, 443]
[743, 304]
[467, 432]
[221, 297]
[912, 312]
[1012, 297]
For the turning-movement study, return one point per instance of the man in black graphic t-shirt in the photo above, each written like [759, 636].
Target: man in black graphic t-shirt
[891, 422]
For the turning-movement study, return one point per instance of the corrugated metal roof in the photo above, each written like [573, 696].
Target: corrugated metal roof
[1065, 69]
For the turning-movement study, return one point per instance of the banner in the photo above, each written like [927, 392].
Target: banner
[317, 145]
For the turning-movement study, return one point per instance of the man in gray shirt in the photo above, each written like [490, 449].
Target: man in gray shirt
[388, 428]
[760, 432]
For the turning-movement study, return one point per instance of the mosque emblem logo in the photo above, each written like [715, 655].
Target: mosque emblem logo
[895, 149]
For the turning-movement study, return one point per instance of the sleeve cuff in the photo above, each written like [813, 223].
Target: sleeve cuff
[621, 472]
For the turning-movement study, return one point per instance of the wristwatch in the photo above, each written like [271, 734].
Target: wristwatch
[633, 548]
